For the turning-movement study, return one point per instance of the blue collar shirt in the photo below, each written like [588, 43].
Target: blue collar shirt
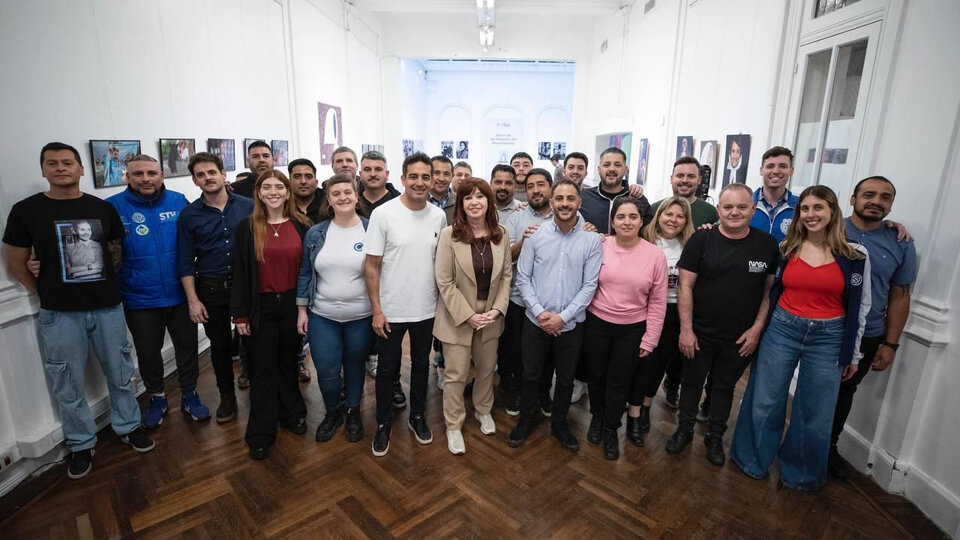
[205, 236]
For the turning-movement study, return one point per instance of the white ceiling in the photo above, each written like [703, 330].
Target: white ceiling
[541, 7]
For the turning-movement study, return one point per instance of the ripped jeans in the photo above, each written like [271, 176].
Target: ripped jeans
[64, 337]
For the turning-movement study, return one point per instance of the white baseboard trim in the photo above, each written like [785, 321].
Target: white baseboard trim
[937, 502]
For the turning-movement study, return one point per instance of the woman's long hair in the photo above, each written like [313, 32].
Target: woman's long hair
[462, 232]
[326, 210]
[258, 221]
[652, 232]
[834, 235]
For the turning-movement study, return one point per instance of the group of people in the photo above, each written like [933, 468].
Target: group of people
[557, 288]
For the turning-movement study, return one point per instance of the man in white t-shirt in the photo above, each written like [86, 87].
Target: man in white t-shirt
[400, 248]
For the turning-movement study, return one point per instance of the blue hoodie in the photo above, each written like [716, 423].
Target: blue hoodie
[777, 224]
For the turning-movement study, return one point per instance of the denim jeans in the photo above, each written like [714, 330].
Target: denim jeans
[789, 340]
[335, 345]
[63, 341]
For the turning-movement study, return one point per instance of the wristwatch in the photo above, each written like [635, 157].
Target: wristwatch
[893, 346]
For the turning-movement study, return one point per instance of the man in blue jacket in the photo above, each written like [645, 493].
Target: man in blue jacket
[153, 297]
[775, 203]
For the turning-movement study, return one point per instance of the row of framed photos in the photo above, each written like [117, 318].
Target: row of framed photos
[110, 157]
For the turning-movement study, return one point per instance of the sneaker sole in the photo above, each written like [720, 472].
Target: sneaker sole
[400, 406]
[485, 432]
[333, 433]
[514, 443]
[354, 438]
[84, 473]
[383, 453]
[546, 414]
[193, 417]
[513, 412]
[457, 452]
[417, 436]
[225, 419]
[126, 440]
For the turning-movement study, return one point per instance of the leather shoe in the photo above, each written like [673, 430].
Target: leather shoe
[611, 444]
[561, 432]
[259, 453]
[521, 432]
[354, 429]
[715, 453]
[644, 418]
[595, 432]
[634, 433]
[680, 439]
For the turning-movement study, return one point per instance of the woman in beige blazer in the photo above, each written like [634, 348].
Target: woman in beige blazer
[473, 274]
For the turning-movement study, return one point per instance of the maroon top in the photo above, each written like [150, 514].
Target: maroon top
[281, 259]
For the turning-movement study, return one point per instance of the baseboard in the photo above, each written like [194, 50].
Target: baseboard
[937, 502]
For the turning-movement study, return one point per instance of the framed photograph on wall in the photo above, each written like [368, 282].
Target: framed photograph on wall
[544, 150]
[226, 149]
[560, 149]
[246, 150]
[708, 156]
[109, 159]
[463, 150]
[684, 146]
[736, 159]
[175, 155]
[331, 130]
[279, 150]
[446, 149]
[364, 148]
[644, 151]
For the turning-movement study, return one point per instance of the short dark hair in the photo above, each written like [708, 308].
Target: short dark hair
[856, 189]
[622, 200]
[538, 171]
[242, 174]
[459, 164]
[416, 157]
[777, 151]
[205, 157]
[576, 155]
[555, 157]
[373, 155]
[341, 150]
[504, 168]
[259, 144]
[442, 159]
[521, 155]
[55, 146]
[564, 182]
[614, 150]
[301, 161]
[685, 160]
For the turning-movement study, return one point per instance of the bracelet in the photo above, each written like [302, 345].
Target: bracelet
[893, 346]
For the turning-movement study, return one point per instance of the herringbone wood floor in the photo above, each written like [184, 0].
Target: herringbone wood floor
[200, 483]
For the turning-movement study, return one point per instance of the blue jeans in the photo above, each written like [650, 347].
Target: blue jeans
[815, 345]
[335, 345]
[63, 343]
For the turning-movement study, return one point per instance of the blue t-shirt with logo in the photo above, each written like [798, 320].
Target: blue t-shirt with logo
[892, 262]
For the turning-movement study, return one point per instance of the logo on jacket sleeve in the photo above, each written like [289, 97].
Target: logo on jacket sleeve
[856, 279]
[784, 225]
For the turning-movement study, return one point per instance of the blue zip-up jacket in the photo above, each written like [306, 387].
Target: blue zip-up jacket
[312, 244]
[856, 302]
[777, 224]
[148, 275]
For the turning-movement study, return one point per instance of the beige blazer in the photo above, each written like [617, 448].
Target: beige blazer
[457, 285]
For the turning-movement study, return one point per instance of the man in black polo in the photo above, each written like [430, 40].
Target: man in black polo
[259, 159]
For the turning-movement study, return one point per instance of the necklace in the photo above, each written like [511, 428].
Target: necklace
[276, 230]
[480, 250]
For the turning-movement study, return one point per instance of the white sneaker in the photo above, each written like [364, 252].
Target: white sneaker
[579, 389]
[455, 442]
[440, 372]
[372, 365]
[487, 426]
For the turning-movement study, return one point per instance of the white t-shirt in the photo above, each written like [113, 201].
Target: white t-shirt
[341, 293]
[672, 249]
[407, 241]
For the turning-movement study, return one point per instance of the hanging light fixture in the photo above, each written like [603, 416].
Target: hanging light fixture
[486, 22]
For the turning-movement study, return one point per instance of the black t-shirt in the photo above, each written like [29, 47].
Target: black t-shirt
[731, 275]
[70, 237]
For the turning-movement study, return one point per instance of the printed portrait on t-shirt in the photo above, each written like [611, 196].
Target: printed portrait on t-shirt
[81, 254]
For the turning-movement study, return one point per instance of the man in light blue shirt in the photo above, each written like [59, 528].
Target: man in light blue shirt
[557, 276]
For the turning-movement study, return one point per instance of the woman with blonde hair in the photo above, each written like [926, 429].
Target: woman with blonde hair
[266, 262]
[822, 296]
[669, 230]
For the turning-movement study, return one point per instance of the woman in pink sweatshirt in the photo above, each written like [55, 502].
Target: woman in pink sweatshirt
[623, 321]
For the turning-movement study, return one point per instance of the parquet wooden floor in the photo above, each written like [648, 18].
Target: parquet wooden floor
[200, 483]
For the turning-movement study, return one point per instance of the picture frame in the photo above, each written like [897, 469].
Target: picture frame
[684, 146]
[174, 155]
[279, 149]
[109, 158]
[736, 159]
[226, 149]
[246, 147]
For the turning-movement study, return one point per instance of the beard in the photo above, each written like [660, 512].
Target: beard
[869, 219]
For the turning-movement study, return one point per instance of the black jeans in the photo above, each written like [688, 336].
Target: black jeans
[868, 346]
[612, 353]
[214, 293]
[509, 356]
[390, 351]
[147, 326]
[674, 373]
[647, 379]
[538, 347]
[275, 398]
[727, 366]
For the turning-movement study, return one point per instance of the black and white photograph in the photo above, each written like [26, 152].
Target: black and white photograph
[463, 150]
[446, 149]
[364, 148]
[174, 156]
[110, 159]
[81, 254]
[560, 149]
[544, 150]
[736, 159]
[408, 147]
[684, 146]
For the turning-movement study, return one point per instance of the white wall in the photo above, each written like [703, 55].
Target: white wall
[103, 69]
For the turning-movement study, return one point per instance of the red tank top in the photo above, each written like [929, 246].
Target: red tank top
[812, 292]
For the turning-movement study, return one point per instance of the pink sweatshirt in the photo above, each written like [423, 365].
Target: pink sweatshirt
[632, 287]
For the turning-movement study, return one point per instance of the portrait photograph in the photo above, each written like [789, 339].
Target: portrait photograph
[81, 253]
[463, 150]
[736, 159]
[279, 150]
[226, 149]
[642, 163]
[331, 130]
[175, 155]
[109, 159]
[708, 157]
[446, 149]
[407, 147]
[560, 149]
[684, 146]
[544, 150]
[364, 148]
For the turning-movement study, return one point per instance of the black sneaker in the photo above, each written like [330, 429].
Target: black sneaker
[354, 429]
[81, 463]
[611, 444]
[715, 453]
[381, 441]
[227, 410]
[680, 439]
[399, 399]
[546, 406]
[521, 432]
[418, 425]
[672, 394]
[837, 466]
[328, 428]
[260, 452]
[595, 432]
[634, 433]
[513, 405]
[561, 432]
[139, 440]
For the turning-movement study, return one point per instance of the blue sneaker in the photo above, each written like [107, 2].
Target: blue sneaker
[156, 410]
[191, 405]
